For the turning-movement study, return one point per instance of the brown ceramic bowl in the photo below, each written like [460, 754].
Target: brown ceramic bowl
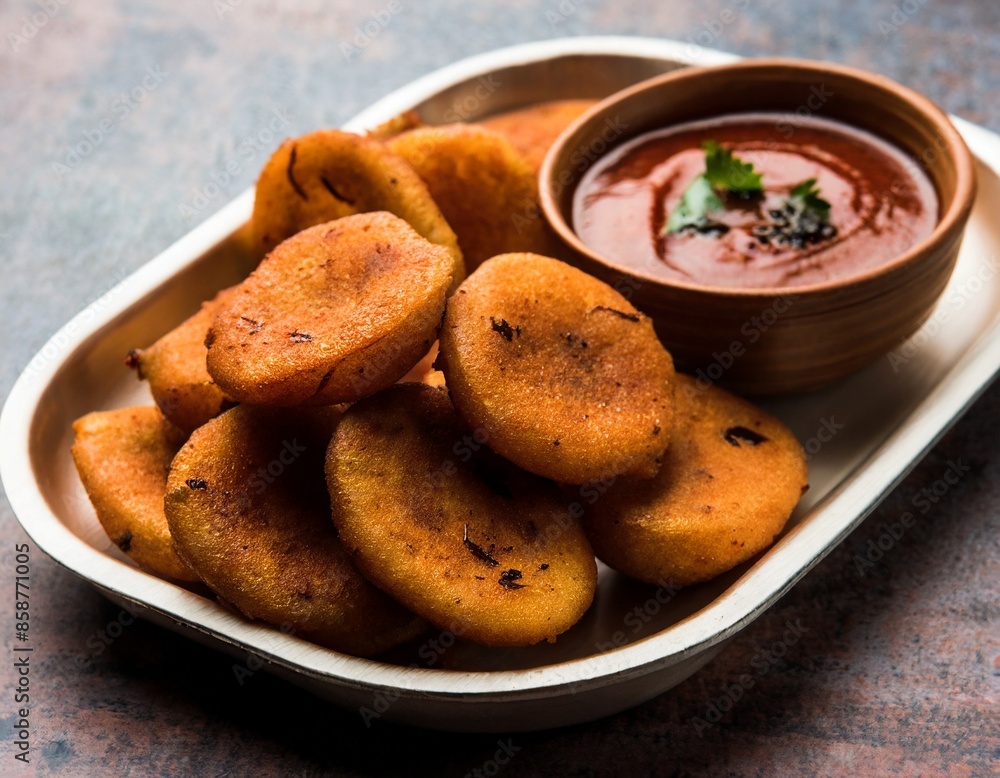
[777, 340]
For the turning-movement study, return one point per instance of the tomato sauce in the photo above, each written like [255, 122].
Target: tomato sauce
[881, 202]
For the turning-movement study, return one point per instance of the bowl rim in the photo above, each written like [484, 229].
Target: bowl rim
[950, 222]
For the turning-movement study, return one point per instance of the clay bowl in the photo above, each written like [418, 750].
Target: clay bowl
[777, 340]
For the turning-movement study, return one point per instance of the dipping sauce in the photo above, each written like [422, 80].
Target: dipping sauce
[881, 202]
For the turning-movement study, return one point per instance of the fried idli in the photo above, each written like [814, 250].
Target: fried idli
[122, 457]
[175, 368]
[334, 313]
[328, 174]
[534, 129]
[248, 510]
[568, 379]
[484, 187]
[729, 482]
[470, 542]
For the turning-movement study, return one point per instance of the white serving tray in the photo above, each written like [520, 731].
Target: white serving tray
[886, 417]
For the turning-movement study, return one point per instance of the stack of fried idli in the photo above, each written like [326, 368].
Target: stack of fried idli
[370, 436]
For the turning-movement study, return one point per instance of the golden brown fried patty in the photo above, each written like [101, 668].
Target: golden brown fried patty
[565, 375]
[122, 457]
[176, 371]
[333, 314]
[729, 481]
[460, 536]
[534, 129]
[328, 174]
[485, 189]
[248, 509]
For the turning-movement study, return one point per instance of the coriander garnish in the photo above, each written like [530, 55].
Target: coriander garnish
[802, 219]
[724, 174]
[698, 200]
[727, 173]
[805, 196]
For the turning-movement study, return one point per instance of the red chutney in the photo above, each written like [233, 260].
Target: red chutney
[882, 203]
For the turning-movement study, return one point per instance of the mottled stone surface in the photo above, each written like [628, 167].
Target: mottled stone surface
[895, 673]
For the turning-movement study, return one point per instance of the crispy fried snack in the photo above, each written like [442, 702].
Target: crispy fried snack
[248, 510]
[484, 187]
[328, 174]
[534, 129]
[565, 375]
[334, 313]
[458, 535]
[176, 371]
[408, 120]
[728, 484]
[122, 457]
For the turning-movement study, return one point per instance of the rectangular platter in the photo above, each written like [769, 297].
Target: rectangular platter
[885, 418]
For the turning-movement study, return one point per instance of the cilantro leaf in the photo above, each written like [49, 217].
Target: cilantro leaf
[728, 173]
[723, 174]
[698, 200]
[805, 197]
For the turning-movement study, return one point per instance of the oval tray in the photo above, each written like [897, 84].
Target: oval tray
[863, 434]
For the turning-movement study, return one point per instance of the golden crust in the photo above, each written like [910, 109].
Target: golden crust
[408, 120]
[534, 129]
[248, 508]
[334, 313]
[122, 457]
[176, 371]
[730, 480]
[329, 174]
[461, 537]
[485, 189]
[565, 375]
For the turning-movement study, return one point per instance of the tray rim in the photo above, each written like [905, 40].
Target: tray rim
[771, 577]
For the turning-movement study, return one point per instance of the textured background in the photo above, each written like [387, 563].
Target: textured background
[898, 671]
